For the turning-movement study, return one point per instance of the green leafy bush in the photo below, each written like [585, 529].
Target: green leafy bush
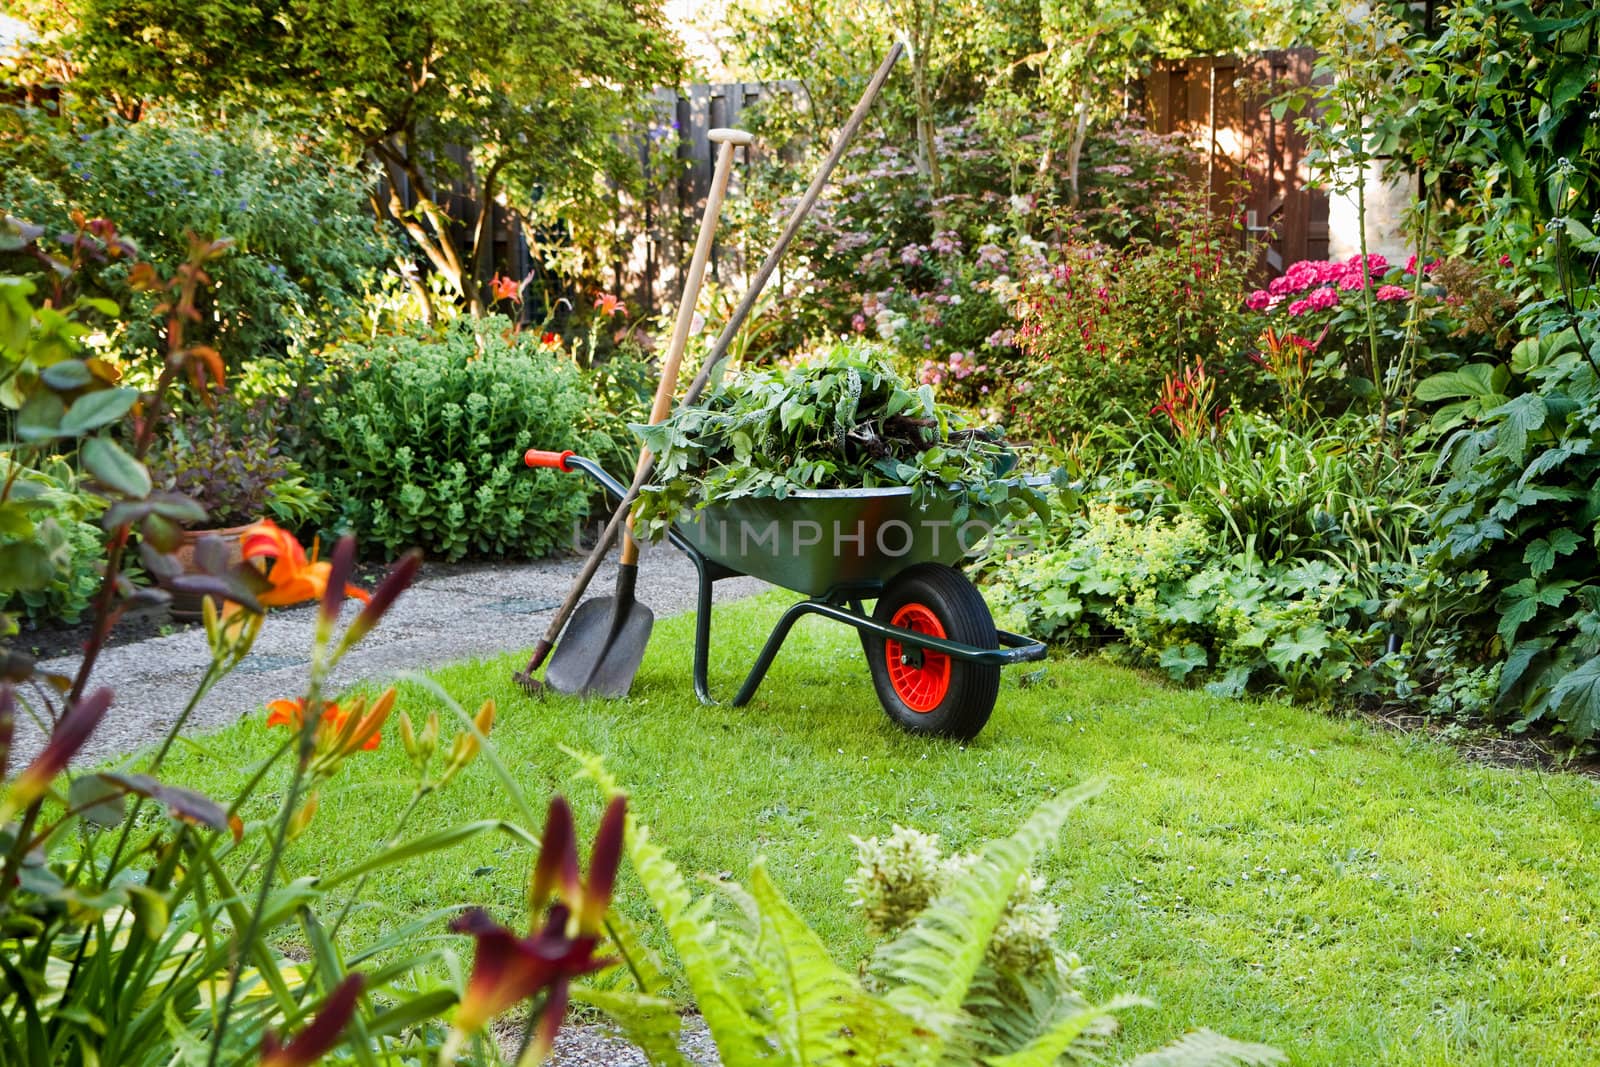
[419, 442]
[62, 526]
[1521, 509]
[1255, 557]
[305, 245]
[1106, 326]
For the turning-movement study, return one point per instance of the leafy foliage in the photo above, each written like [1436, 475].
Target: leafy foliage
[304, 249]
[57, 517]
[770, 993]
[230, 463]
[401, 86]
[1520, 505]
[1106, 326]
[419, 442]
[845, 422]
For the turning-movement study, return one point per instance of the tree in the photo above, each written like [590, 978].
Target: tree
[505, 101]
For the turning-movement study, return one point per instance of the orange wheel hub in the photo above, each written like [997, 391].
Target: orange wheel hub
[920, 676]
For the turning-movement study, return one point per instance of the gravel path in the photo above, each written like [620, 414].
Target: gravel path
[453, 612]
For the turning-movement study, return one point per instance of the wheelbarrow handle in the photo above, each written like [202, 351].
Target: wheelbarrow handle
[533, 457]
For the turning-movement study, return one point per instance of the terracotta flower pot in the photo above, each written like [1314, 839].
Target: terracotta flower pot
[187, 606]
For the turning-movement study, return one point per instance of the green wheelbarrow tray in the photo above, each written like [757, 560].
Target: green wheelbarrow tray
[840, 547]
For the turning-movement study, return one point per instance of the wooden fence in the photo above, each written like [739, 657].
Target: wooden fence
[1223, 104]
[664, 225]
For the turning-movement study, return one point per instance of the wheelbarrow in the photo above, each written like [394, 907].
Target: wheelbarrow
[930, 641]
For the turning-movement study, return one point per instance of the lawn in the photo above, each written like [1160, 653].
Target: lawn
[1349, 894]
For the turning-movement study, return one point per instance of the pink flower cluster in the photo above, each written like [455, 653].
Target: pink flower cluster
[992, 256]
[946, 242]
[1321, 281]
[960, 365]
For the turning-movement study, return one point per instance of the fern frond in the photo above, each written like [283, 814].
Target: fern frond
[652, 1023]
[723, 988]
[1206, 1048]
[642, 962]
[1066, 1034]
[931, 965]
[823, 1015]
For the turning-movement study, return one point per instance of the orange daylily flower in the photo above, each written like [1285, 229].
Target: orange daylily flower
[505, 288]
[295, 578]
[608, 304]
[341, 731]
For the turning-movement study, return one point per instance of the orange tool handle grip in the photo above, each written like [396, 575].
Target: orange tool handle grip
[554, 460]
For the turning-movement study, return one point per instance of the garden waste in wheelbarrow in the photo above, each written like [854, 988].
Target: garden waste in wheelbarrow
[930, 641]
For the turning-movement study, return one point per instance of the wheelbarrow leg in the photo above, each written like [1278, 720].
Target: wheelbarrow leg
[769, 651]
[702, 631]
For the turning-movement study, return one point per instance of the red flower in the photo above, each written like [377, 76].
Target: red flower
[507, 969]
[323, 1032]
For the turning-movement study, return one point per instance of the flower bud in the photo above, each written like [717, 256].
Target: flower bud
[302, 818]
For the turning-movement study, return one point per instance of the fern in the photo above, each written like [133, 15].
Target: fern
[770, 993]
[823, 1015]
[1064, 1035]
[722, 988]
[652, 1023]
[931, 965]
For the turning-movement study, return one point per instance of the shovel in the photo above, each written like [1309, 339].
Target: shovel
[605, 640]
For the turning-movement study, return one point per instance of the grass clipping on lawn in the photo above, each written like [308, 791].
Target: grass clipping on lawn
[847, 421]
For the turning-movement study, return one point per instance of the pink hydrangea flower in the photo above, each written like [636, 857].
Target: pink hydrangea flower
[1259, 300]
[1393, 292]
[1299, 307]
[1324, 298]
[858, 322]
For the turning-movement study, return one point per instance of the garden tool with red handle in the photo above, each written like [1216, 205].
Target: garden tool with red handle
[604, 643]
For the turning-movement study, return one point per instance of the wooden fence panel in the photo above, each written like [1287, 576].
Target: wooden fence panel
[1223, 103]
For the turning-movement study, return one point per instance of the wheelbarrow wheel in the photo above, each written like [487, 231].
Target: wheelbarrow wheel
[924, 691]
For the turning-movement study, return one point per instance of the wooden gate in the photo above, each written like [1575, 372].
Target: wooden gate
[1224, 104]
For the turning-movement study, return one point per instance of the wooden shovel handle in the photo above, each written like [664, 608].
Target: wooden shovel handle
[662, 407]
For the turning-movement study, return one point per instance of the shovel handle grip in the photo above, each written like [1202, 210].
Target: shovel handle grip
[533, 457]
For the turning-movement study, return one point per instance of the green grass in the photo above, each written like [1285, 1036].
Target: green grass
[1351, 895]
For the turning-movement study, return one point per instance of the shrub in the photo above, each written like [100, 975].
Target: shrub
[230, 463]
[1521, 512]
[1106, 326]
[419, 442]
[61, 515]
[1441, 321]
[1255, 556]
[939, 281]
[305, 245]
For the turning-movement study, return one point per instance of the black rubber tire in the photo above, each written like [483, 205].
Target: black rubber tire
[961, 611]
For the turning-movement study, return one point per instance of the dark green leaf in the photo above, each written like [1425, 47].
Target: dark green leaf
[94, 410]
[114, 468]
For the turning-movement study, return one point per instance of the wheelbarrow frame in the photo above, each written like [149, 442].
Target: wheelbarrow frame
[842, 603]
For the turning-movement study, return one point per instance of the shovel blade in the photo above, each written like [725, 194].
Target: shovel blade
[601, 650]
